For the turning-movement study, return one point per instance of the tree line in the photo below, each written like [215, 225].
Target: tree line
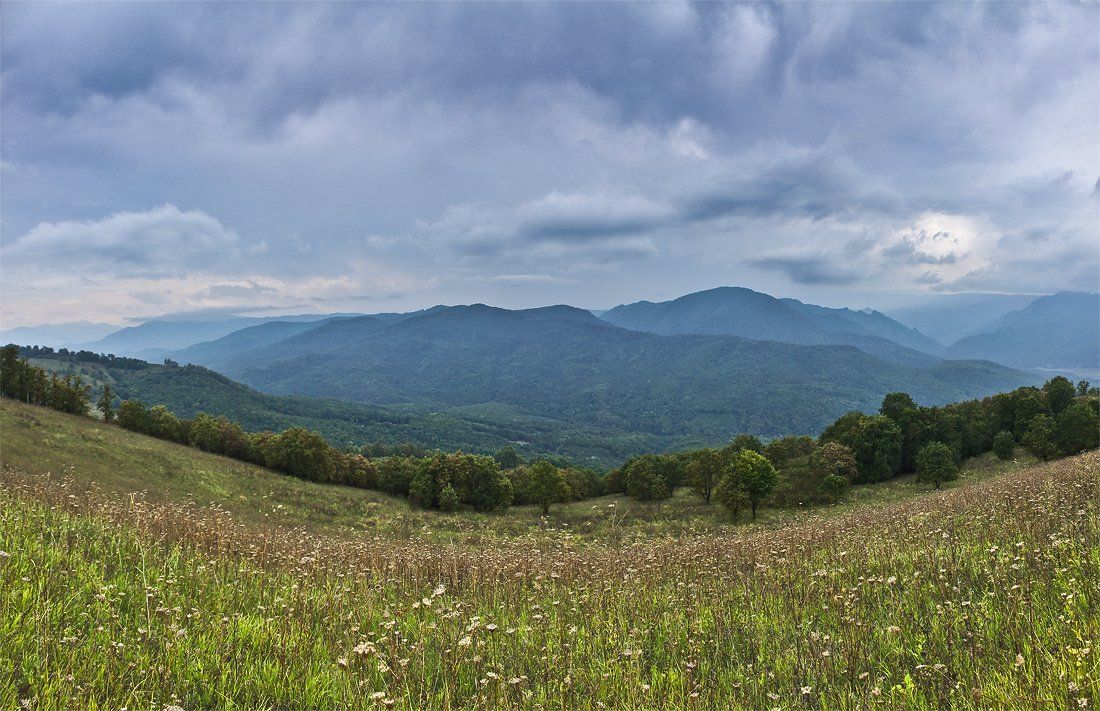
[1059, 419]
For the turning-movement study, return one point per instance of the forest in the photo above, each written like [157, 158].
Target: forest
[1056, 420]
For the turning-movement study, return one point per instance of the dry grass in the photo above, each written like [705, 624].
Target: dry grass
[979, 597]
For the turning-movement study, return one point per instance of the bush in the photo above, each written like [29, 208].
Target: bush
[1004, 445]
[448, 499]
[833, 487]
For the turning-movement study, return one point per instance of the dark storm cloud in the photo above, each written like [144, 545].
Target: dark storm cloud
[808, 269]
[696, 141]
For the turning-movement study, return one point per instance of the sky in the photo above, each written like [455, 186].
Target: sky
[276, 157]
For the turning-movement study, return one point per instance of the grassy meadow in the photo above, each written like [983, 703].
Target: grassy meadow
[140, 574]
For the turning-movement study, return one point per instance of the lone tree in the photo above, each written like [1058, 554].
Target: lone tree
[704, 471]
[106, 404]
[1004, 445]
[755, 476]
[547, 485]
[936, 464]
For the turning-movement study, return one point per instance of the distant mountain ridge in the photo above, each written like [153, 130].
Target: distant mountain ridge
[950, 317]
[737, 311]
[154, 339]
[565, 364]
[1060, 331]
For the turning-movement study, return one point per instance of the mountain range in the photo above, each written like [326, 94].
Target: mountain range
[693, 370]
[565, 364]
[736, 311]
[1053, 333]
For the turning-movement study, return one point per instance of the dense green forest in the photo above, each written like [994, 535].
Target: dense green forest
[1059, 419]
[188, 390]
[565, 364]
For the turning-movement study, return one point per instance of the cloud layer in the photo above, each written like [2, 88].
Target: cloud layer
[394, 156]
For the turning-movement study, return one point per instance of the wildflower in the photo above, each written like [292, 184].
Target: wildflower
[1019, 660]
[342, 662]
[465, 641]
[806, 690]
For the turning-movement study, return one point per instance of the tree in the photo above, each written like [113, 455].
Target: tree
[547, 485]
[133, 416]
[784, 449]
[422, 489]
[936, 464]
[583, 483]
[644, 480]
[1004, 445]
[1082, 388]
[730, 495]
[754, 475]
[163, 424]
[834, 459]
[301, 453]
[1077, 429]
[704, 471]
[896, 405]
[507, 458]
[1060, 393]
[741, 442]
[106, 404]
[1029, 404]
[448, 499]
[1040, 437]
[875, 441]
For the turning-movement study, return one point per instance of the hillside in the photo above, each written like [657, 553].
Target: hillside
[189, 390]
[950, 317]
[216, 352]
[145, 566]
[565, 364]
[1056, 332]
[736, 311]
[154, 339]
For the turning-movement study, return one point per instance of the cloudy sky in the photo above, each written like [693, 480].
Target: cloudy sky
[161, 158]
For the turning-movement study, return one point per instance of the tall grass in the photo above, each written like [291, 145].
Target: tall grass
[978, 597]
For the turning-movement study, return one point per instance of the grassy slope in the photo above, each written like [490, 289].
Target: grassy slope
[38, 441]
[925, 602]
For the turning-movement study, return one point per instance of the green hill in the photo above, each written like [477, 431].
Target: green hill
[188, 390]
[736, 311]
[136, 573]
[564, 364]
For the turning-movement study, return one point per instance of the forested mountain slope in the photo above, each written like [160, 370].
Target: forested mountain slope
[736, 311]
[565, 364]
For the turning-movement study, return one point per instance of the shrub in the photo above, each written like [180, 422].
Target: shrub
[1004, 445]
[448, 499]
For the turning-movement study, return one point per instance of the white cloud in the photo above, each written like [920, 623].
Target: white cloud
[164, 240]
